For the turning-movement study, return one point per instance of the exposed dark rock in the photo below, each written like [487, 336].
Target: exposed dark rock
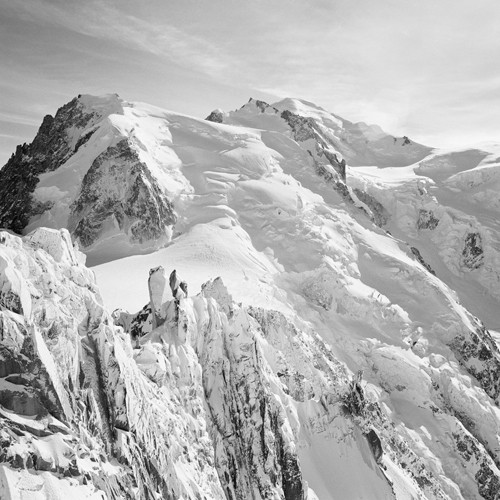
[25, 402]
[215, 116]
[488, 481]
[119, 187]
[333, 180]
[478, 353]
[48, 151]
[380, 215]
[303, 128]
[375, 444]
[472, 254]
[11, 300]
[35, 393]
[265, 445]
[339, 166]
[178, 287]
[426, 220]
[354, 398]
[419, 257]
[83, 139]
[406, 141]
[142, 322]
[262, 105]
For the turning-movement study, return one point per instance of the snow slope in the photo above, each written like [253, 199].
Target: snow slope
[446, 206]
[335, 271]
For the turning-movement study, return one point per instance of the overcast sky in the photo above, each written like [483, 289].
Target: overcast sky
[428, 69]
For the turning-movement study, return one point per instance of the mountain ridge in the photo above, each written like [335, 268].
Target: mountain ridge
[340, 353]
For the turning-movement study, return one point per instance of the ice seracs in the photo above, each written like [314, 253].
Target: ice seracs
[336, 339]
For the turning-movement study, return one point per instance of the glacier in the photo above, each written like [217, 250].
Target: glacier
[339, 337]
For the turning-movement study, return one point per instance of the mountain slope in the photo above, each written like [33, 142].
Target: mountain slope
[446, 206]
[338, 362]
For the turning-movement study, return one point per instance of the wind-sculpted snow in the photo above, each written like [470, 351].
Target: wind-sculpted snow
[75, 408]
[336, 356]
[446, 207]
[220, 400]
[237, 347]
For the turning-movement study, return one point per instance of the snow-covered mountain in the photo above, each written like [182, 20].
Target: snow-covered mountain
[329, 331]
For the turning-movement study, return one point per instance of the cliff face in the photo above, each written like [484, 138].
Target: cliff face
[83, 173]
[215, 401]
[79, 411]
[336, 356]
[119, 189]
[52, 146]
[446, 206]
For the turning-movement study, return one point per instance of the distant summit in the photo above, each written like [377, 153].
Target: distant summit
[303, 308]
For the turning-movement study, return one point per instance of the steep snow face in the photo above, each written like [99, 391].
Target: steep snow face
[84, 171]
[262, 374]
[80, 416]
[124, 155]
[446, 206]
[219, 400]
[358, 143]
[269, 212]
[58, 139]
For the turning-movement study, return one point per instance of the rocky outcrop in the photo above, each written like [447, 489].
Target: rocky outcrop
[215, 116]
[479, 353]
[100, 187]
[194, 396]
[51, 147]
[262, 106]
[119, 189]
[338, 165]
[473, 254]
[306, 129]
[303, 128]
[427, 220]
[253, 454]
[486, 472]
[73, 402]
[379, 214]
[375, 444]
[416, 252]
[142, 322]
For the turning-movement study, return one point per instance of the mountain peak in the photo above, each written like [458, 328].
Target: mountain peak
[338, 354]
[299, 106]
[105, 104]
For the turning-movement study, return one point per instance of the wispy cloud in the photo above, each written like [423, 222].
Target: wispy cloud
[101, 20]
[19, 119]
[10, 136]
[413, 67]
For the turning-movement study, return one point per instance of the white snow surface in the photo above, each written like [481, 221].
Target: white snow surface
[252, 210]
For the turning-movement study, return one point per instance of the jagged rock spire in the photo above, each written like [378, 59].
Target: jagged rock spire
[178, 287]
[158, 295]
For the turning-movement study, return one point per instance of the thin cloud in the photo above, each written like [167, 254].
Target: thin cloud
[19, 119]
[11, 136]
[411, 67]
[99, 20]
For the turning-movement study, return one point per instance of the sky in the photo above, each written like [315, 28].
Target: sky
[428, 69]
